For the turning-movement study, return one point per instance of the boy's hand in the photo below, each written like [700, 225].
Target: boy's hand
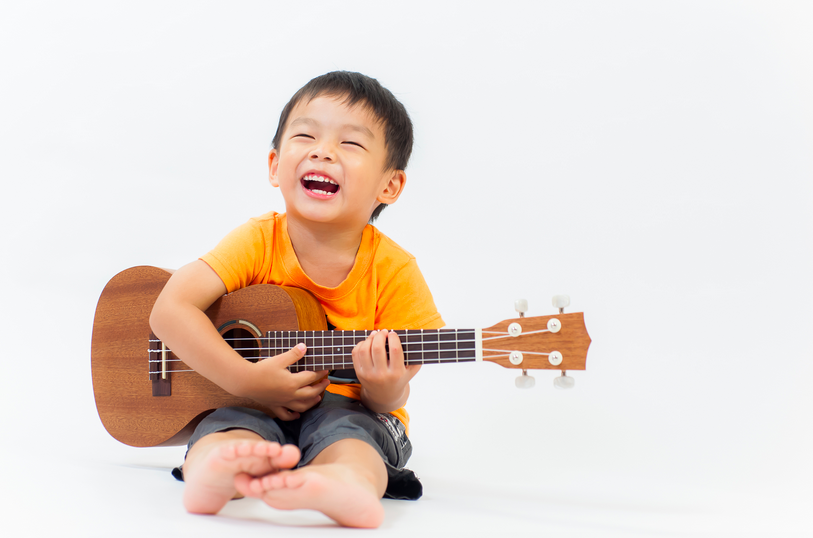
[384, 379]
[178, 319]
[286, 394]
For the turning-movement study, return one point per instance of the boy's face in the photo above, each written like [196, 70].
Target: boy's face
[330, 164]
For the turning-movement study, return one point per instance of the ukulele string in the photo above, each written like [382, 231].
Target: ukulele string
[506, 335]
[343, 355]
[336, 360]
[339, 364]
[322, 346]
[323, 355]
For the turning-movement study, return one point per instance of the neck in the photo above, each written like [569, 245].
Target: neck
[333, 350]
[326, 252]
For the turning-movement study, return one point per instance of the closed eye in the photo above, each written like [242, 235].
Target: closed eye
[353, 143]
[303, 135]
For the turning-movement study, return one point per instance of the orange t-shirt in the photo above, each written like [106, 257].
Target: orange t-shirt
[384, 290]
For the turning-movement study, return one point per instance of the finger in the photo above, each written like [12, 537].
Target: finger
[283, 413]
[292, 355]
[396, 351]
[362, 359]
[378, 350]
[411, 370]
[311, 391]
[305, 378]
[302, 405]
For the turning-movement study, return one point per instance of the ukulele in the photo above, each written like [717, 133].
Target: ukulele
[146, 396]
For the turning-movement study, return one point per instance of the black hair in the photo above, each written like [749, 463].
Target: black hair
[356, 88]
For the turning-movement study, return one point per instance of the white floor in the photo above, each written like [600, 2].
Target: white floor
[536, 462]
[116, 492]
[652, 160]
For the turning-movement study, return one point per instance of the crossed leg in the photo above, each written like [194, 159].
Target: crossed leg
[345, 482]
[216, 459]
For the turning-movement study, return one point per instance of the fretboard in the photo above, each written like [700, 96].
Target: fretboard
[332, 350]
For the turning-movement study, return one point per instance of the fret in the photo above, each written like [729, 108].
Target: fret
[431, 346]
[323, 352]
[411, 344]
[330, 344]
[295, 337]
[342, 343]
[286, 345]
[318, 356]
[345, 346]
[289, 344]
[466, 344]
[319, 342]
[337, 340]
[447, 345]
[307, 363]
[312, 359]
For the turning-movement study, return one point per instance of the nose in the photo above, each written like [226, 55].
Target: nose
[323, 151]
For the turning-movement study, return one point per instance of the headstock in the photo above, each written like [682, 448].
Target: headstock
[556, 342]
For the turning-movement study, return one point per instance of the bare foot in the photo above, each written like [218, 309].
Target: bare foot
[211, 471]
[336, 490]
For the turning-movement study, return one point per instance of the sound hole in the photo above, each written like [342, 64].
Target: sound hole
[244, 342]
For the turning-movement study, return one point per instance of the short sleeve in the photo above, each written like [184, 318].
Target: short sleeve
[241, 257]
[405, 301]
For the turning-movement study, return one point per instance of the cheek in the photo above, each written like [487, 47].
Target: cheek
[288, 162]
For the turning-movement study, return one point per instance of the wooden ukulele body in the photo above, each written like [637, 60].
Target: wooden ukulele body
[122, 384]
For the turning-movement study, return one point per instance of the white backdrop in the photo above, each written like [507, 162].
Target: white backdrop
[650, 159]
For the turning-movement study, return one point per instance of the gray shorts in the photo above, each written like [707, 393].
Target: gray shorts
[335, 418]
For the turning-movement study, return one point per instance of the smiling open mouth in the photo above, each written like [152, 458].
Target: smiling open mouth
[320, 184]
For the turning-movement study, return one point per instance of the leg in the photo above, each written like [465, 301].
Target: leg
[345, 482]
[216, 459]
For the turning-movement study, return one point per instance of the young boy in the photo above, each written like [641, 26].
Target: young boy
[337, 446]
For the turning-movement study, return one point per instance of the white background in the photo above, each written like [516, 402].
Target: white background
[651, 159]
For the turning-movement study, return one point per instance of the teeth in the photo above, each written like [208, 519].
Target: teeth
[319, 178]
[317, 191]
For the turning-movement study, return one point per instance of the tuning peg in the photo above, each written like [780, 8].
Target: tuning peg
[521, 306]
[561, 302]
[564, 381]
[524, 381]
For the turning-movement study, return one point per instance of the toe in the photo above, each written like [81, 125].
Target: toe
[294, 480]
[242, 483]
[288, 457]
[228, 452]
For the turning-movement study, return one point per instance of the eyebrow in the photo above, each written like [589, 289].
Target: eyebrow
[351, 126]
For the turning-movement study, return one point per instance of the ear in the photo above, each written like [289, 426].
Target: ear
[393, 188]
[273, 166]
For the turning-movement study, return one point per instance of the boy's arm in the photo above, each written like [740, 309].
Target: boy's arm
[384, 377]
[178, 319]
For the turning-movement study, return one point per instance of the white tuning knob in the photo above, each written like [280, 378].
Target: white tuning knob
[564, 381]
[561, 302]
[524, 381]
[521, 306]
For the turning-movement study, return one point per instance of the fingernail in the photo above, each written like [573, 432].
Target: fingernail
[300, 347]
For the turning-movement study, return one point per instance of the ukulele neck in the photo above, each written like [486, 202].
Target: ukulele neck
[332, 350]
